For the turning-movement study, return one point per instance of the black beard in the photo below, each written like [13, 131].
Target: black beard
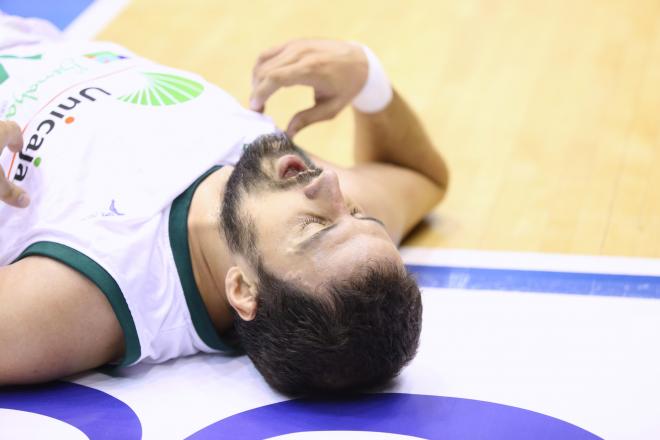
[249, 176]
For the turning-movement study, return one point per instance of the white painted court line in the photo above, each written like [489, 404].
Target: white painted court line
[531, 261]
[94, 19]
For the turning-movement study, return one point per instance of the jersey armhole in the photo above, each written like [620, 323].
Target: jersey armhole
[103, 280]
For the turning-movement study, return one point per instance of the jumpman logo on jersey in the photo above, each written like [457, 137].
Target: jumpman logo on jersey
[112, 210]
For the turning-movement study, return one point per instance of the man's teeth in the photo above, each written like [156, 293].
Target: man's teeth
[294, 169]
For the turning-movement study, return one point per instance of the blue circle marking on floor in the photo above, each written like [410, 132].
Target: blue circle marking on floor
[425, 416]
[97, 414]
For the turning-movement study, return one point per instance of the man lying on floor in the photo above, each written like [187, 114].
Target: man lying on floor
[147, 215]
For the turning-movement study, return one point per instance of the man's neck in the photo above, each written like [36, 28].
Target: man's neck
[209, 253]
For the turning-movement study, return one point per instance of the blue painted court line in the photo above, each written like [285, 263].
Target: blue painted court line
[635, 286]
[59, 12]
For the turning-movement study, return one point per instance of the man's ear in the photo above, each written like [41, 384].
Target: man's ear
[241, 293]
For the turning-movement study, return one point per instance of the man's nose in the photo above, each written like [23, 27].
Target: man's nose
[325, 188]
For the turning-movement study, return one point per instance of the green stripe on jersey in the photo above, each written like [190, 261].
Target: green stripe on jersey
[103, 280]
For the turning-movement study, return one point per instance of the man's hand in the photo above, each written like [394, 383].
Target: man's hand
[10, 136]
[336, 70]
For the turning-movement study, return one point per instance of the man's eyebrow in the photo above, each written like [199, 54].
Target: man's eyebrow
[318, 235]
[315, 237]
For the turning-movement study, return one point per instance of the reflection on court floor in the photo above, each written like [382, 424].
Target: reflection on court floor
[494, 363]
[514, 346]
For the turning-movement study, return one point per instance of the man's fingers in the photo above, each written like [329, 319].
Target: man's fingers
[11, 194]
[262, 91]
[11, 136]
[15, 142]
[285, 58]
[320, 112]
[273, 80]
[271, 52]
[276, 51]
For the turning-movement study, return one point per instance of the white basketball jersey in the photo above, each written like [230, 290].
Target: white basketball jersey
[113, 143]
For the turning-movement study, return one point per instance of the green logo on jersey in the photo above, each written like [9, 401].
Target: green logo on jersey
[19, 57]
[4, 76]
[104, 57]
[164, 89]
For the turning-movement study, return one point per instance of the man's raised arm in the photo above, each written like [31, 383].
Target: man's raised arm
[396, 136]
[393, 151]
[399, 176]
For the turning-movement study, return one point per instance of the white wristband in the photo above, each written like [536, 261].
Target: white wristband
[376, 93]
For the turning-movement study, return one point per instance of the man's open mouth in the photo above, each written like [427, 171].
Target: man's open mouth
[289, 166]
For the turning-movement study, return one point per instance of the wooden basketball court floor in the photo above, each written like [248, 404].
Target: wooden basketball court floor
[540, 271]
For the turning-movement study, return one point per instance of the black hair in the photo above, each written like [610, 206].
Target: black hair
[349, 334]
[354, 334]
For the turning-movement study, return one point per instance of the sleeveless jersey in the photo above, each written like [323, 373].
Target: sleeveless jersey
[114, 148]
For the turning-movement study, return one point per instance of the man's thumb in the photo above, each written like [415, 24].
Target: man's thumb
[13, 195]
[320, 112]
